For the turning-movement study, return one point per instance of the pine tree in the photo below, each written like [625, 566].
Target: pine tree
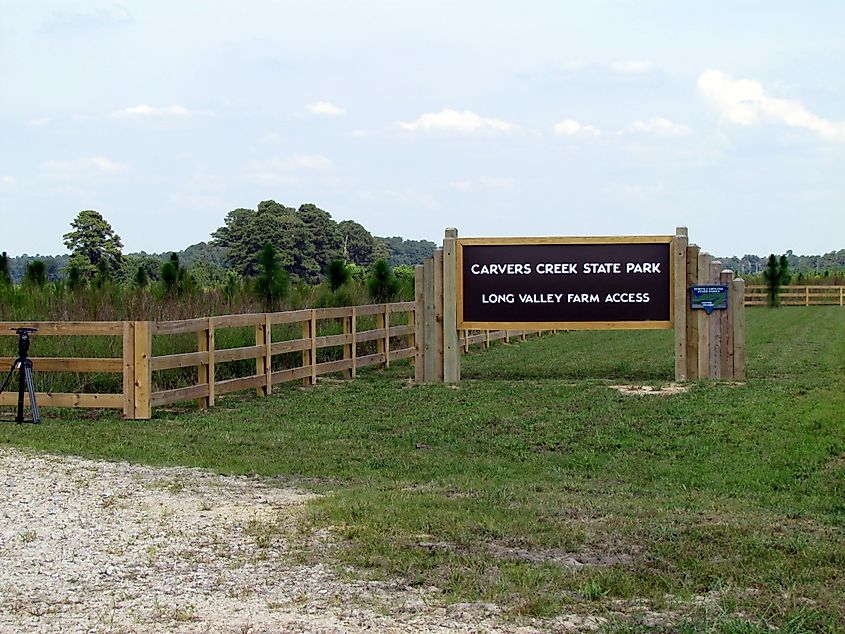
[338, 274]
[382, 283]
[273, 281]
[36, 273]
[5, 274]
[141, 277]
[91, 241]
[776, 275]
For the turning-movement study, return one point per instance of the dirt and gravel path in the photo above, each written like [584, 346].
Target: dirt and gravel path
[89, 546]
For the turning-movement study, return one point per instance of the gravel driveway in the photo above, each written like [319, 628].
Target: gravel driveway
[89, 546]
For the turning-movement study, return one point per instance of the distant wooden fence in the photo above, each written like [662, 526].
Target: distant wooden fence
[798, 296]
[137, 363]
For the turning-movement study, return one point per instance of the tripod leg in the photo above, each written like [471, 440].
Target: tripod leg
[8, 376]
[21, 386]
[33, 406]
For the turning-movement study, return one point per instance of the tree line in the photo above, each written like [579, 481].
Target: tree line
[306, 238]
[807, 266]
[276, 256]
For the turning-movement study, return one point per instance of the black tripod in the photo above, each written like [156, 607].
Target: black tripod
[24, 367]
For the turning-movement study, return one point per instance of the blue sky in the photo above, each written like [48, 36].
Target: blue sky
[498, 118]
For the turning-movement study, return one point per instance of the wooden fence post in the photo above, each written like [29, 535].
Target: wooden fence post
[309, 354]
[715, 332]
[704, 260]
[386, 344]
[438, 313]
[354, 321]
[411, 337]
[202, 368]
[143, 373]
[679, 264]
[129, 370]
[262, 363]
[212, 372]
[312, 328]
[737, 306]
[692, 319]
[349, 348]
[430, 324]
[205, 369]
[726, 354]
[451, 343]
[419, 323]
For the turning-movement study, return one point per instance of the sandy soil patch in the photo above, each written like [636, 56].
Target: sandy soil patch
[89, 546]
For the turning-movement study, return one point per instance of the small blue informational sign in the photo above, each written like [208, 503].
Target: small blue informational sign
[709, 298]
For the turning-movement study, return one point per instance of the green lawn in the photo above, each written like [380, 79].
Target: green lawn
[490, 491]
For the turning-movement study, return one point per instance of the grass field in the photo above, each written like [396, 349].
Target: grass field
[538, 486]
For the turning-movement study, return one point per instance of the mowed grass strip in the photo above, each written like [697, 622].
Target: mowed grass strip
[536, 485]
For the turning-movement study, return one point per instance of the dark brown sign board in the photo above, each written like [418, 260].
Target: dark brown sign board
[565, 283]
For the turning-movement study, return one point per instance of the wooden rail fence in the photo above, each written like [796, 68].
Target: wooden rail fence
[392, 342]
[382, 342]
[798, 296]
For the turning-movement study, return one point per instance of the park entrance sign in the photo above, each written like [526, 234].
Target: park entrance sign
[575, 283]
[565, 283]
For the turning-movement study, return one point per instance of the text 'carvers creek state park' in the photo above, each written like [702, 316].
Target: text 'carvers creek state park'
[566, 283]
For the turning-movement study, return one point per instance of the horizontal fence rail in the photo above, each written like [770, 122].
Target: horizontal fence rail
[111, 365]
[298, 345]
[797, 296]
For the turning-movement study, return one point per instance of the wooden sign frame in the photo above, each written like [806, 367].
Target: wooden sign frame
[569, 325]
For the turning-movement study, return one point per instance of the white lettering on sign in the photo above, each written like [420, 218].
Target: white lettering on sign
[557, 268]
[643, 267]
[583, 298]
[498, 298]
[627, 298]
[602, 267]
[500, 269]
[540, 298]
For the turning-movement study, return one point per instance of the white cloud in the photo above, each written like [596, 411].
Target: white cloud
[7, 182]
[282, 170]
[661, 127]
[633, 67]
[497, 182]
[466, 122]
[93, 164]
[310, 161]
[570, 127]
[326, 109]
[41, 121]
[143, 111]
[745, 102]
[273, 138]
[203, 202]
[407, 196]
[484, 182]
